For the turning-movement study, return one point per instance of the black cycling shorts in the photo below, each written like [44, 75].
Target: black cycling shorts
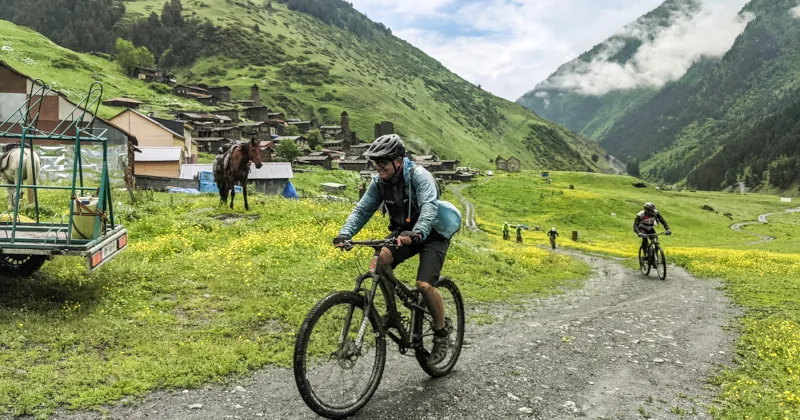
[432, 253]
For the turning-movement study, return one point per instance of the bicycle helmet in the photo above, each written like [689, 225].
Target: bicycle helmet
[388, 146]
[553, 229]
[649, 207]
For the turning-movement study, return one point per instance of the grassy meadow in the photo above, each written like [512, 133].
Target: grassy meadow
[203, 294]
[763, 279]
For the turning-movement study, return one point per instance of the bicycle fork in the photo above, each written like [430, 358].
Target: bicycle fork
[367, 302]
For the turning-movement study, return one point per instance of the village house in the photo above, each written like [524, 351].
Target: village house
[268, 148]
[210, 144]
[359, 149]
[152, 133]
[202, 95]
[56, 109]
[513, 164]
[330, 131]
[255, 130]
[222, 93]
[123, 103]
[320, 160]
[501, 164]
[355, 165]
[275, 116]
[160, 161]
[154, 75]
[303, 126]
[203, 117]
[454, 176]
[256, 113]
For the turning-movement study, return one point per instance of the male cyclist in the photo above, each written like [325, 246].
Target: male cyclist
[505, 231]
[421, 222]
[519, 233]
[645, 223]
[553, 233]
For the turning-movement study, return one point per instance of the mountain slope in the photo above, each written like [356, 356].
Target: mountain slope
[687, 130]
[575, 97]
[315, 59]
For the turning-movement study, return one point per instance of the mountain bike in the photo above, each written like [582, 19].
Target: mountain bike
[334, 353]
[553, 242]
[653, 256]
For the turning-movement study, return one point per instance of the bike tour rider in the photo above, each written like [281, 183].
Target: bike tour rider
[421, 222]
[553, 233]
[646, 221]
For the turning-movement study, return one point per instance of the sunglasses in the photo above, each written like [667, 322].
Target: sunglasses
[381, 162]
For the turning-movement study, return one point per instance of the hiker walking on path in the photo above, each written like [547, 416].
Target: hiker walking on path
[519, 233]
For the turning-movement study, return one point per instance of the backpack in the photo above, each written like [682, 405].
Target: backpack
[383, 208]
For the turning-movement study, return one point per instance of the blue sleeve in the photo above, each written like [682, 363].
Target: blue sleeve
[364, 211]
[425, 187]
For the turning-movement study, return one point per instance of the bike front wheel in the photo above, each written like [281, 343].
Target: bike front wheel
[335, 375]
[454, 322]
[661, 264]
[644, 263]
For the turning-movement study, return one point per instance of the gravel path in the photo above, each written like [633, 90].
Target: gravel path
[762, 219]
[623, 346]
[469, 217]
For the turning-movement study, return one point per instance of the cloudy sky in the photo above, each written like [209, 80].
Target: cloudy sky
[507, 46]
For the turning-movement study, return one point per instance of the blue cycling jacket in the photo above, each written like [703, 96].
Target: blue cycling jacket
[436, 214]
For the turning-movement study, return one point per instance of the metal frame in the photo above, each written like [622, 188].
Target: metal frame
[55, 238]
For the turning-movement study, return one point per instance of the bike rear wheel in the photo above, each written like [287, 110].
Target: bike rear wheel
[661, 264]
[553, 243]
[644, 264]
[323, 367]
[454, 321]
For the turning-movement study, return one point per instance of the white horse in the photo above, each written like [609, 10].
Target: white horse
[9, 165]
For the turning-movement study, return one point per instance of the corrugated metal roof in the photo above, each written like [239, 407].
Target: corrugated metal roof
[272, 170]
[269, 170]
[159, 154]
[312, 158]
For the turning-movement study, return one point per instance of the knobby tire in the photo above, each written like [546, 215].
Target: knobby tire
[301, 345]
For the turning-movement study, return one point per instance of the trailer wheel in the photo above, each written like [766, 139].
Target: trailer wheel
[20, 265]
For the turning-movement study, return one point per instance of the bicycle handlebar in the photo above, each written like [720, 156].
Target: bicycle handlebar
[389, 242]
[652, 235]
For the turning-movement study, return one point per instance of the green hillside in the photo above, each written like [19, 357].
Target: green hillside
[699, 130]
[313, 60]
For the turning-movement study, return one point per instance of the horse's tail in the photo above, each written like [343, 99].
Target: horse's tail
[30, 169]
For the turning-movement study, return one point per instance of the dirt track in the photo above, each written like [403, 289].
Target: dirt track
[622, 346]
[762, 218]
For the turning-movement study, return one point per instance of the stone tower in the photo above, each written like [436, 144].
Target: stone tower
[345, 133]
[255, 96]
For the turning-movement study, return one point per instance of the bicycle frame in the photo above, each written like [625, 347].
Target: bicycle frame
[390, 285]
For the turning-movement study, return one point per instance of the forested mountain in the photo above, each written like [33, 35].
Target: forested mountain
[313, 59]
[699, 128]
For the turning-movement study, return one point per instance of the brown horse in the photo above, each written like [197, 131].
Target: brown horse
[233, 169]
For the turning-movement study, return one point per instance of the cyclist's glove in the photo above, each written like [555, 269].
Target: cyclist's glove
[642, 235]
[340, 239]
[415, 237]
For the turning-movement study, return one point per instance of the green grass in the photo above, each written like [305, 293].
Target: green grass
[762, 278]
[194, 300]
[309, 182]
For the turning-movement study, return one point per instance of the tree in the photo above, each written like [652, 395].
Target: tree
[130, 57]
[288, 150]
[314, 138]
[292, 130]
[633, 168]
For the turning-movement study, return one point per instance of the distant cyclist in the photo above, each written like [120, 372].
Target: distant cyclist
[646, 222]
[552, 234]
[519, 233]
[506, 235]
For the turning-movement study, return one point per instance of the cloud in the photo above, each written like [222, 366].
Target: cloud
[795, 11]
[665, 54]
[544, 96]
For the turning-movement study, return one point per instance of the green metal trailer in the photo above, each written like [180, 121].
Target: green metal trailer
[26, 245]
